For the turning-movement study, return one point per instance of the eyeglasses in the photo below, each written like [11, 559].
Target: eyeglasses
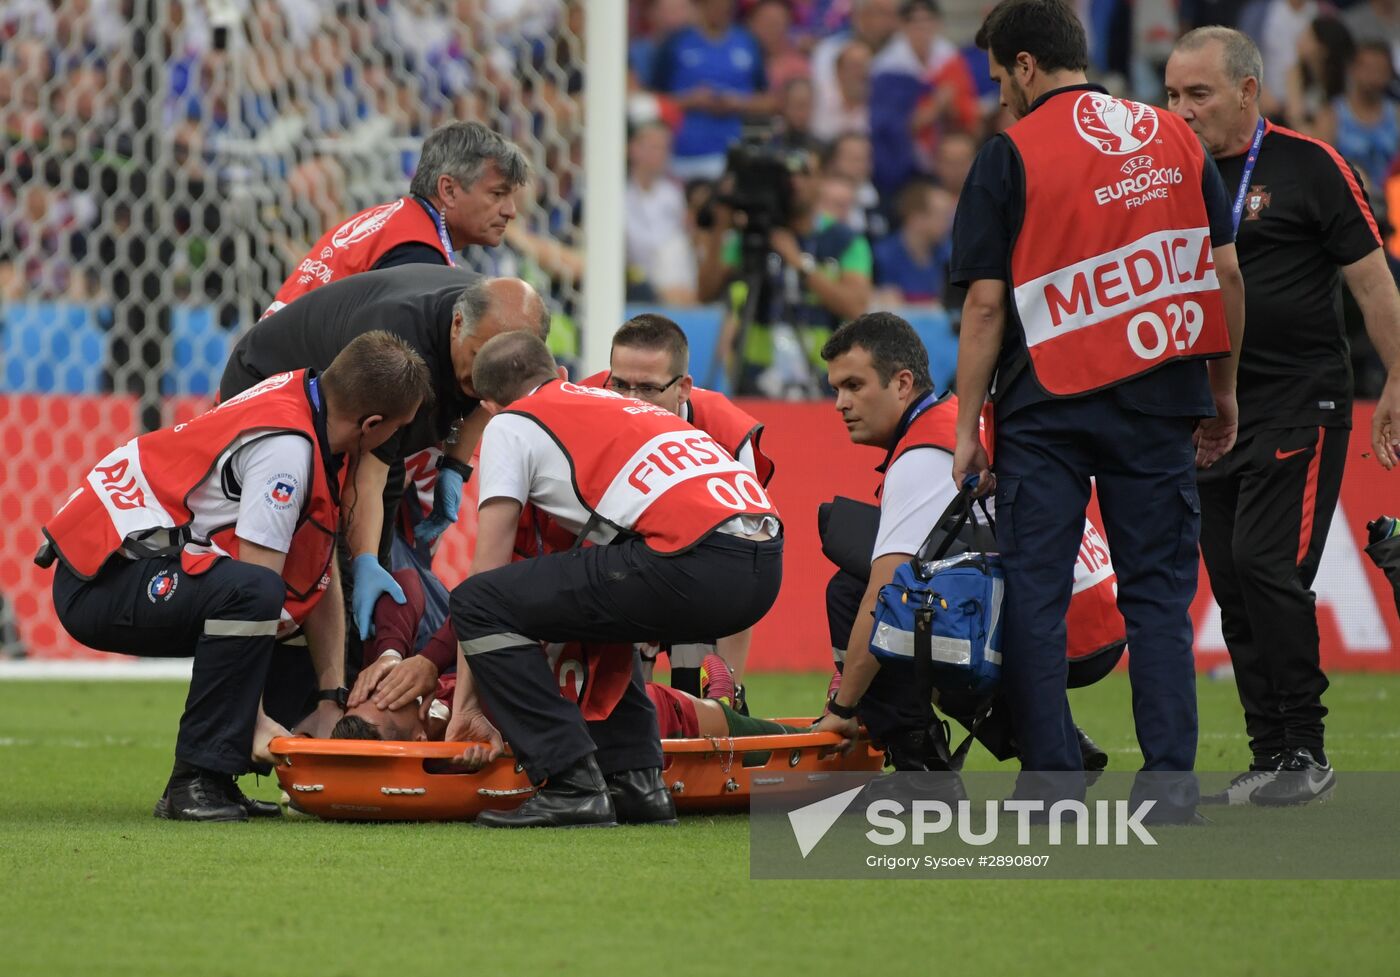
[643, 390]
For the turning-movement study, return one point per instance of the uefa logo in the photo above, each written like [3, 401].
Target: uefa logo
[1114, 126]
[359, 228]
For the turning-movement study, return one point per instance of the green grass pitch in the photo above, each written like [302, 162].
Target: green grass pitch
[92, 885]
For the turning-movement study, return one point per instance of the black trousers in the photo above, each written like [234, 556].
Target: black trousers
[620, 593]
[292, 688]
[225, 618]
[893, 705]
[1265, 511]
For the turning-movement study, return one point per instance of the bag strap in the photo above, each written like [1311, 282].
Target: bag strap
[923, 682]
[962, 510]
[984, 709]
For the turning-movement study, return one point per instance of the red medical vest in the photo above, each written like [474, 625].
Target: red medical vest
[142, 487]
[721, 419]
[641, 468]
[1111, 270]
[357, 244]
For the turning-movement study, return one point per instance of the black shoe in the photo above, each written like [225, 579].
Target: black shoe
[1300, 780]
[912, 750]
[741, 700]
[573, 798]
[641, 797]
[917, 785]
[254, 808]
[202, 797]
[1095, 757]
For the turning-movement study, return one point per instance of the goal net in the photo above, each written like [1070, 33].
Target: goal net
[164, 165]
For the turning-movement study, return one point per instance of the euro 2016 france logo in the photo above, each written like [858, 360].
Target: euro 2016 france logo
[162, 586]
[1112, 125]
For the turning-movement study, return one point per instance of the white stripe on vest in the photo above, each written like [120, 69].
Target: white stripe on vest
[1156, 266]
[665, 461]
[121, 487]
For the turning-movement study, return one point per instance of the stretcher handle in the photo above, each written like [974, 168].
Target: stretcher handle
[294, 746]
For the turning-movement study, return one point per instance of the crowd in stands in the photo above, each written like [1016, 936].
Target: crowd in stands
[893, 108]
[146, 150]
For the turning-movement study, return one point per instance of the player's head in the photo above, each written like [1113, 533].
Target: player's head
[509, 367]
[1031, 42]
[369, 722]
[1213, 83]
[485, 309]
[471, 174]
[925, 211]
[650, 360]
[878, 367]
[1371, 69]
[373, 387]
[649, 150]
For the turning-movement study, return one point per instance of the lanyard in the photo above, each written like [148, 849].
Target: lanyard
[905, 423]
[1249, 162]
[929, 400]
[441, 223]
[313, 387]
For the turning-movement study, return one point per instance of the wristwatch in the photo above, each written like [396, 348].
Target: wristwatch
[452, 464]
[339, 696]
[840, 711]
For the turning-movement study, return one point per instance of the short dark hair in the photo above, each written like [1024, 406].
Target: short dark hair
[378, 373]
[907, 8]
[1375, 46]
[912, 199]
[509, 364]
[892, 343]
[355, 728]
[833, 148]
[656, 332]
[461, 150]
[1048, 30]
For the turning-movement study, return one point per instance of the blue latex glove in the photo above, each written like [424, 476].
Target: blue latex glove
[372, 581]
[447, 499]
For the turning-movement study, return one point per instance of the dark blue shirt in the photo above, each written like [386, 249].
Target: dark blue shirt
[690, 59]
[917, 281]
[989, 217]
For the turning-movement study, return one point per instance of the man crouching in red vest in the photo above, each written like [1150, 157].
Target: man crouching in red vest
[216, 537]
[693, 548]
[879, 369]
[650, 360]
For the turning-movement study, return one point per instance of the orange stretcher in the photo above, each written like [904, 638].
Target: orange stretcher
[370, 780]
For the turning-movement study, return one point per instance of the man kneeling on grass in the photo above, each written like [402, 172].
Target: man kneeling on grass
[216, 537]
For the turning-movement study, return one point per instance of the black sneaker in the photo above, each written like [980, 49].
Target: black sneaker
[201, 797]
[1300, 780]
[1243, 786]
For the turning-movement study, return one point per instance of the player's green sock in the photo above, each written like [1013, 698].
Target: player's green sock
[741, 725]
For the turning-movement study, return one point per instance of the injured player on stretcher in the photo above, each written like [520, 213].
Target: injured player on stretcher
[401, 696]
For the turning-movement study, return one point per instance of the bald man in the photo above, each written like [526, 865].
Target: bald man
[446, 315]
